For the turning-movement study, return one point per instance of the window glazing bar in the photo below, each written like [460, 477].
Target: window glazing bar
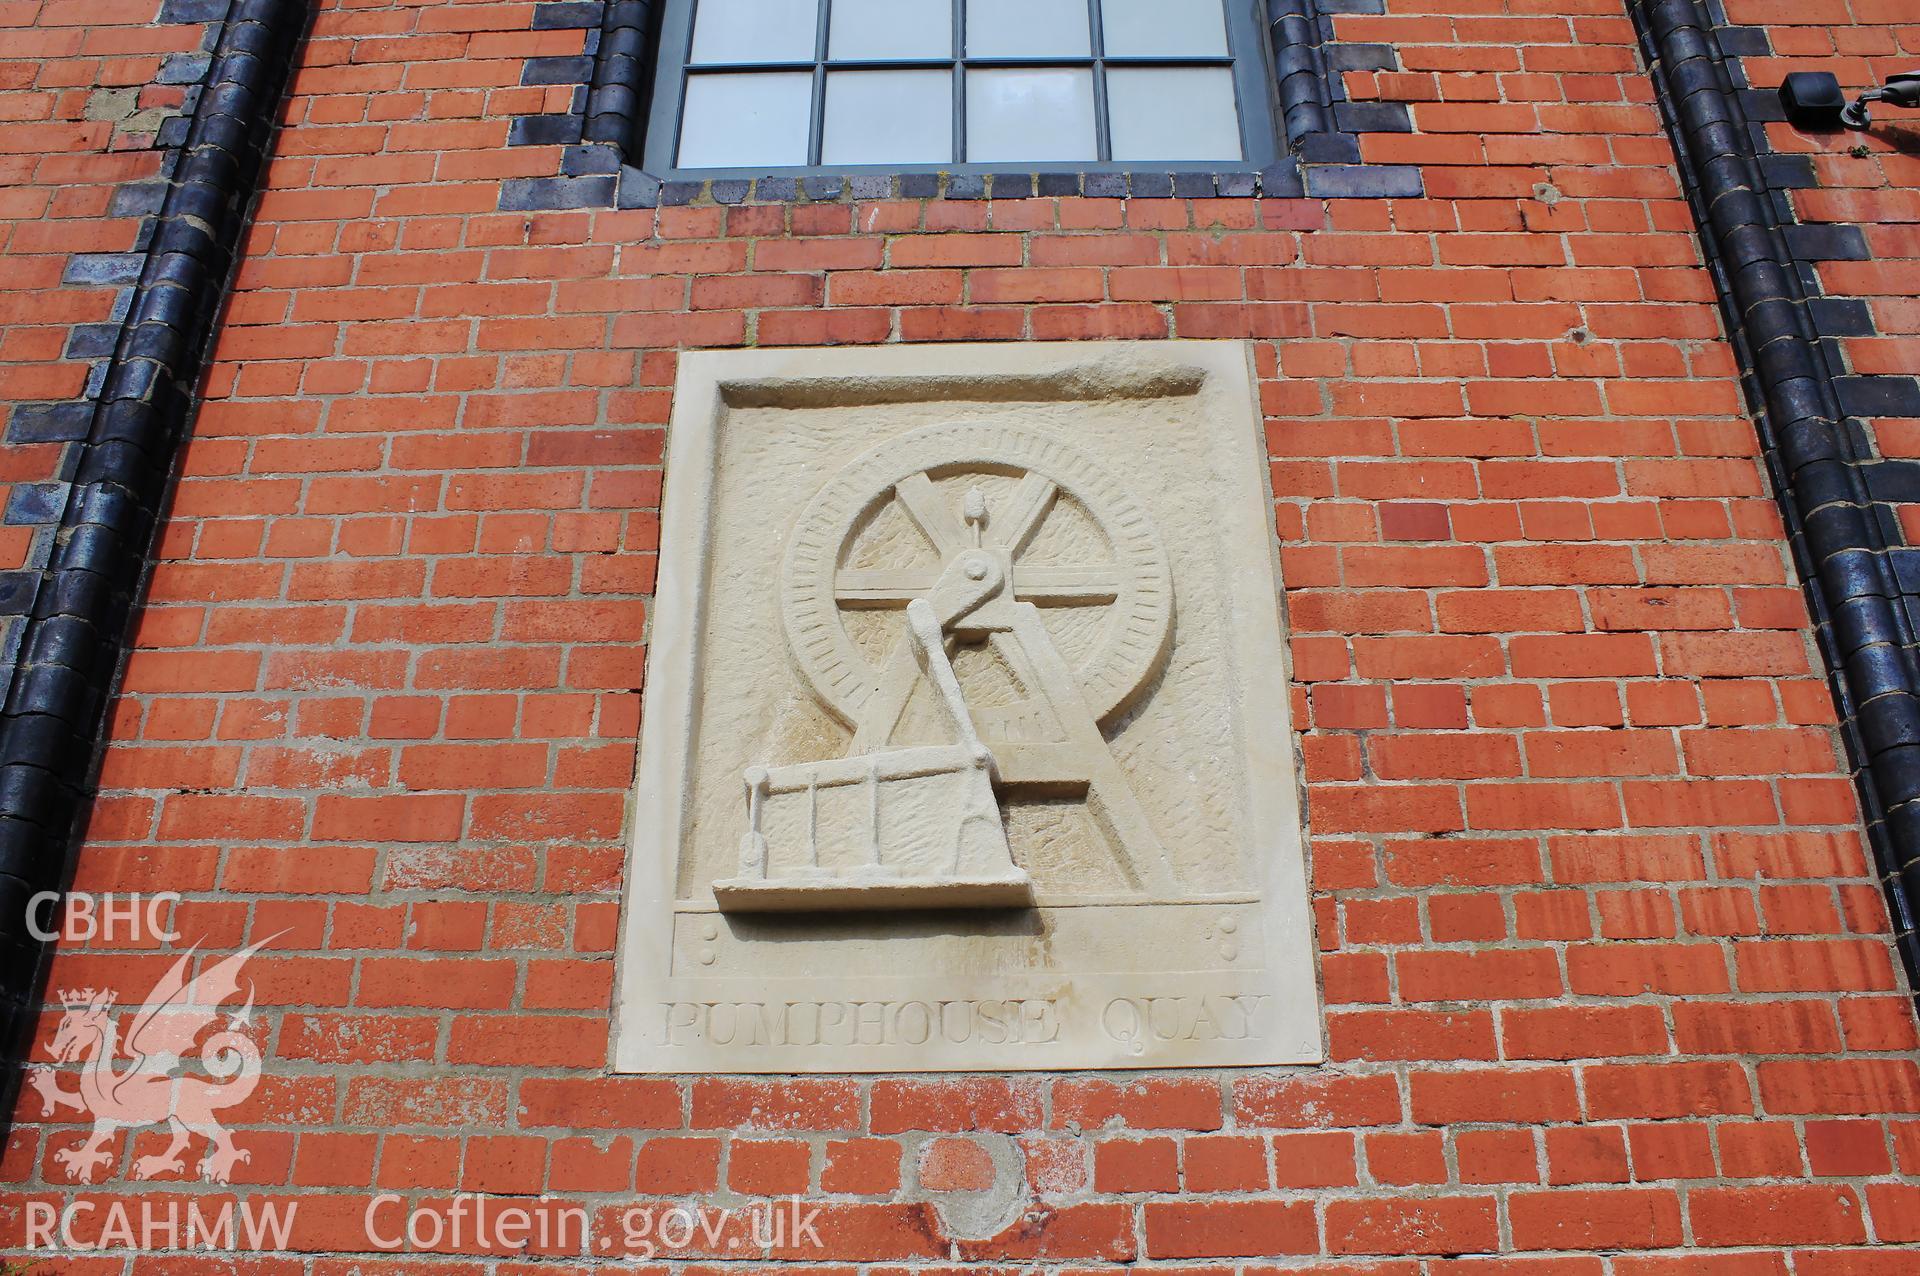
[959, 81]
[816, 137]
[1096, 34]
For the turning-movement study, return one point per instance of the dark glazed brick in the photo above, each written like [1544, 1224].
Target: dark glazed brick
[543, 130]
[1906, 569]
[1059, 183]
[49, 422]
[1744, 42]
[1383, 181]
[139, 200]
[1789, 172]
[184, 68]
[966, 186]
[574, 69]
[535, 194]
[1329, 148]
[1833, 355]
[1239, 185]
[777, 190]
[92, 340]
[16, 592]
[568, 13]
[920, 186]
[103, 268]
[1879, 396]
[637, 189]
[1283, 179]
[1106, 185]
[33, 503]
[822, 187]
[1361, 57]
[1827, 243]
[193, 11]
[1896, 482]
[1010, 185]
[1193, 185]
[1150, 185]
[870, 186]
[1373, 117]
[678, 194]
[582, 160]
[1762, 106]
[1841, 316]
[731, 191]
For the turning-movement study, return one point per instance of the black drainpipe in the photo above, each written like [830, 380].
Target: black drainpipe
[1838, 543]
[53, 720]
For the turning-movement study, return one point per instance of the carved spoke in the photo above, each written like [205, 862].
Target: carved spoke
[930, 514]
[1042, 586]
[1026, 511]
[882, 587]
[1066, 586]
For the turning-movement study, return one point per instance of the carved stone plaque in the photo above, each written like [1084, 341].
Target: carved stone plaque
[966, 740]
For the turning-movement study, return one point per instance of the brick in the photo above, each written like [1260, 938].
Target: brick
[1666, 1090]
[1790, 1214]
[1230, 1163]
[1402, 1160]
[1161, 1103]
[1131, 1165]
[768, 1167]
[1575, 1220]
[1837, 1087]
[861, 1166]
[1392, 1226]
[1573, 1032]
[1306, 1100]
[1181, 1229]
[1486, 1094]
[970, 1103]
[1458, 976]
[673, 1165]
[1587, 1155]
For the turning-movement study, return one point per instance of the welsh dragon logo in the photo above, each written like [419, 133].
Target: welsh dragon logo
[152, 1090]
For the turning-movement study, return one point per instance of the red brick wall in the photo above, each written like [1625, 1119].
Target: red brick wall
[1607, 984]
[85, 88]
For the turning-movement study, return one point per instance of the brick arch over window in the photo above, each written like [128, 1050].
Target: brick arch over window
[1314, 150]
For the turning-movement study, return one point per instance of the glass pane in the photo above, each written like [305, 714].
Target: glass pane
[889, 117]
[746, 119]
[1043, 115]
[891, 29]
[755, 30]
[1172, 113]
[1027, 29]
[1163, 28]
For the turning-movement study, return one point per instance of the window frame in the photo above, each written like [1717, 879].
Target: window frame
[1249, 54]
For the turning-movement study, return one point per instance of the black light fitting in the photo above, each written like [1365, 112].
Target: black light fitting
[1814, 100]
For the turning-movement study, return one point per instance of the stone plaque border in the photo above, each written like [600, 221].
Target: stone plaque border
[1143, 1020]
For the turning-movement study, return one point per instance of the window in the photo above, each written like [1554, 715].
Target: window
[749, 86]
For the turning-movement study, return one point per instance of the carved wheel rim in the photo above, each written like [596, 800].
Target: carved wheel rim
[1134, 640]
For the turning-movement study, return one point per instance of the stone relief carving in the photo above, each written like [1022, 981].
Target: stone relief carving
[928, 831]
[965, 737]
